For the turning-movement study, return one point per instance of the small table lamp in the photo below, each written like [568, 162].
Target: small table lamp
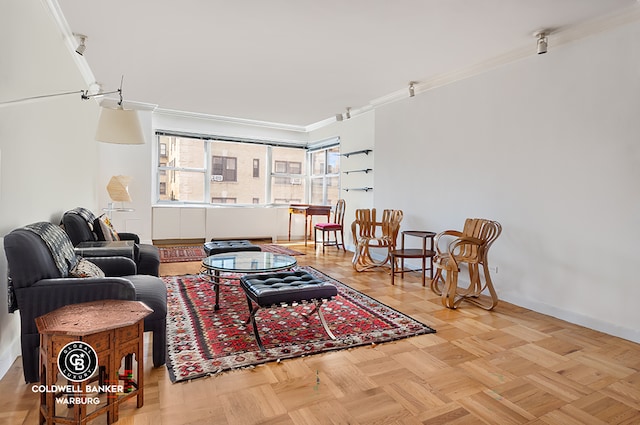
[118, 189]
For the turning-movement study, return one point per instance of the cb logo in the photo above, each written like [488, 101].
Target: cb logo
[77, 361]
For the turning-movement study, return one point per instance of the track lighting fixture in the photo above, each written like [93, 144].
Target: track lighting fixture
[339, 117]
[115, 125]
[542, 42]
[82, 47]
[348, 114]
[412, 89]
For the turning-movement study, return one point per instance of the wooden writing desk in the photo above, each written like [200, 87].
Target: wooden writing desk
[309, 211]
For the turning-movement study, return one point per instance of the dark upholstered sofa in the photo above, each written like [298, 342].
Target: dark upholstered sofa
[40, 282]
[80, 225]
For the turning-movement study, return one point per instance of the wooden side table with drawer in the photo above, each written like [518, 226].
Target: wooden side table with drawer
[115, 330]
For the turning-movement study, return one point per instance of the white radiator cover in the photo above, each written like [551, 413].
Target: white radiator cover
[184, 222]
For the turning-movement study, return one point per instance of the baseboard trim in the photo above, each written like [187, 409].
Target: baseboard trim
[629, 334]
[9, 356]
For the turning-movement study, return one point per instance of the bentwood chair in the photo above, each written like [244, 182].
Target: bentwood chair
[470, 247]
[368, 234]
[336, 226]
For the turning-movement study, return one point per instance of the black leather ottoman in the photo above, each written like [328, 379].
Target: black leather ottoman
[285, 288]
[218, 247]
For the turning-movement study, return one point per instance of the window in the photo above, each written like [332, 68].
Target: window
[325, 176]
[288, 175]
[223, 168]
[292, 169]
[223, 200]
[182, 172]
[206, 169]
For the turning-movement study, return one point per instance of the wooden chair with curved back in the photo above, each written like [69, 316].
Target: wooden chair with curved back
[470, 247]
[336, 226]
[369, 233]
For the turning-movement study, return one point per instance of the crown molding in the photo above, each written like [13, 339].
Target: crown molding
[232, 120]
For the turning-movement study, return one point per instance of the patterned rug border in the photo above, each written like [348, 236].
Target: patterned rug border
[248, 359]
[166, 258]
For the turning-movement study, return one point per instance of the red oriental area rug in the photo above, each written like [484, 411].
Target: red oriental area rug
[176, 254]
[204, 342]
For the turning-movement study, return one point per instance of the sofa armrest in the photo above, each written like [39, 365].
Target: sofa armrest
[129, 237]
[107, 249]
[49, 294]
[115, 266]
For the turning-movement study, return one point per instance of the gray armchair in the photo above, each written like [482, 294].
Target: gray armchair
[81, 226]
[40, 257]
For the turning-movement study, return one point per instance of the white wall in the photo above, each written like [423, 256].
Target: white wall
[47, 152]
[133, 161]
[356, 133]
[549, 147]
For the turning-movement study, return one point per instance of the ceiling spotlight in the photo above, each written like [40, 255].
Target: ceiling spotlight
[339, 117]
[542, 43]
[82, 47]
[412, 89]
[348, 114]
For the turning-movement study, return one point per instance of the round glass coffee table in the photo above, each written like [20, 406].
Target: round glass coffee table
[242, 262]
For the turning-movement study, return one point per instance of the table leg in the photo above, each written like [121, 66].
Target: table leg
[216, 282]
[393, 269]
[140, 362]
[431, 261]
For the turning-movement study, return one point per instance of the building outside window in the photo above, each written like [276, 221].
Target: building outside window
[223, 168]
[184, 170]
[223, 200]
[209, 170]
[324, 185]
[288, 176]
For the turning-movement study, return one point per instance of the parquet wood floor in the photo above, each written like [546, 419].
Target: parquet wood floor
[508, 366]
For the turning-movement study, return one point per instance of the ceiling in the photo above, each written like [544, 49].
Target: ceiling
[299, 62]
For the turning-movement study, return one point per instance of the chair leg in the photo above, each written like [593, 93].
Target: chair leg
[450, 291]
[252, 318]
[435, 282]
[452, 296]
[479, 288]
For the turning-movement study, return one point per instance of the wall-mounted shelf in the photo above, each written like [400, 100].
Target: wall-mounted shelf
[360, 189]
[364, 151]
[364, 170]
